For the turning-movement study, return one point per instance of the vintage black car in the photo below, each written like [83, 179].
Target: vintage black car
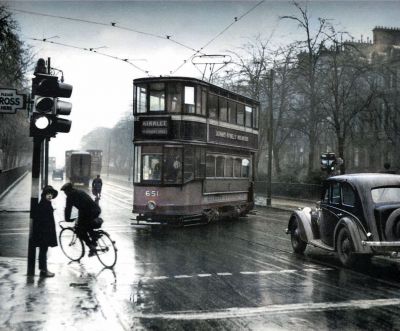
[358, 217]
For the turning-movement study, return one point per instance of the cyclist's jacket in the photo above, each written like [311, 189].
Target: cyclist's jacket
[88, 209]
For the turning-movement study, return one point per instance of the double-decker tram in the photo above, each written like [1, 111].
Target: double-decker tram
[194, 148]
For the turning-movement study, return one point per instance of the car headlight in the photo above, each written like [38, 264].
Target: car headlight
[151, 205]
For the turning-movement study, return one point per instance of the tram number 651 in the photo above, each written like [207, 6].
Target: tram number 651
[151, 193]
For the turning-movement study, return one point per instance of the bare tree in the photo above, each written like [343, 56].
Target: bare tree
[307, 78]
[348, 90]
[15, 59]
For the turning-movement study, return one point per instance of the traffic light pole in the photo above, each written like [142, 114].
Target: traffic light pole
[37, 143]
[46, 161]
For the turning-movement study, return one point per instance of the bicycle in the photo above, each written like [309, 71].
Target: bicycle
[74, 248]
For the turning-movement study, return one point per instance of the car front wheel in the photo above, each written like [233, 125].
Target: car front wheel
[298, 245]
[345, 248]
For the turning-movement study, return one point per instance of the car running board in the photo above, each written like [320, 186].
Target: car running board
[318, 243]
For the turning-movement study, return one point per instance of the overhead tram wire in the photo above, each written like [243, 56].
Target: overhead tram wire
[92, 50]
[235, 20]
[111, 24]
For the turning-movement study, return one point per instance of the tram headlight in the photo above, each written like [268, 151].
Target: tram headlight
[151, 205]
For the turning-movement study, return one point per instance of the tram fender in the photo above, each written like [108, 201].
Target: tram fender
[304, 219]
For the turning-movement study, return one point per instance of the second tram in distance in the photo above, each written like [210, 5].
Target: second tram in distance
[194, 148]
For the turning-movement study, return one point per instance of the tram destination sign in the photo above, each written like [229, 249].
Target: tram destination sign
[11, 101]
[232, 137]
[155, 126]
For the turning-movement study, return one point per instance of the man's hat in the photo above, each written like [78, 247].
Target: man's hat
[50, 189]
[66, 187]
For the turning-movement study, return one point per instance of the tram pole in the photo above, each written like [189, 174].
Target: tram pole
[270, 138]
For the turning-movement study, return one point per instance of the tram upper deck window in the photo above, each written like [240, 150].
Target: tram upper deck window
[203, 101]
[189, 99]
[223, 109]
[157, 97]
[141, 100]
[212, 106]
[249, 112]
[240, 114]
[232, 112]
[174, 97]
[255, 117]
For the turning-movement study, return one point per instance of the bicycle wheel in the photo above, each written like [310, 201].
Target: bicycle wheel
[71, 245]
[106, 250]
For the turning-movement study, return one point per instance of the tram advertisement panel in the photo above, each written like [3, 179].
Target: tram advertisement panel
[232, 137]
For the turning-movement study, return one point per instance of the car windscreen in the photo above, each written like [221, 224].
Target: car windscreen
[385, 194]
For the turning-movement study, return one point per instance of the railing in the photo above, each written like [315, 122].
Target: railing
[290, 190]
[8, 177]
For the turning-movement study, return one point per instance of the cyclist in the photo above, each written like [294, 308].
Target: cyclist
[88, 211]
[97, 184]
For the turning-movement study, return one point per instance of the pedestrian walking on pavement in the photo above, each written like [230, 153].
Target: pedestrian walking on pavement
[44, 229]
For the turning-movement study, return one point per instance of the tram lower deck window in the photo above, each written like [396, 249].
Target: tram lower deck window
[172, 165]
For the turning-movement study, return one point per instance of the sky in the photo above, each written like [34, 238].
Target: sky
[102, 85]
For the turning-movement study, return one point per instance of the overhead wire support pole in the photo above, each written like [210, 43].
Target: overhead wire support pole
[270, 137]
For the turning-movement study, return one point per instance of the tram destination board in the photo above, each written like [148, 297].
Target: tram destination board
[155, 126]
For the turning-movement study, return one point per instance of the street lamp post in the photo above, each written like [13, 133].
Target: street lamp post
[270, 138]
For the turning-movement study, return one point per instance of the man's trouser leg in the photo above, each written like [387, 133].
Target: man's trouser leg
[82, 232]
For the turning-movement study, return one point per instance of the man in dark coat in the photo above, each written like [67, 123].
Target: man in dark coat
[88, 211]
[44, 229]
[97, 184]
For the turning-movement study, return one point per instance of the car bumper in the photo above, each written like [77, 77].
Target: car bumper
[381, 243]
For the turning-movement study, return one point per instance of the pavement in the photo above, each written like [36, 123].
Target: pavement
[79, 296]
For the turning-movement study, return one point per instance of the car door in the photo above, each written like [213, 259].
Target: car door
[331, 213]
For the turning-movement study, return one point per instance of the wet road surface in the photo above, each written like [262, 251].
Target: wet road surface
[225, 276]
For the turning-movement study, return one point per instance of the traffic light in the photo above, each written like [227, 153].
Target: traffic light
[328, 162]
[46, 89]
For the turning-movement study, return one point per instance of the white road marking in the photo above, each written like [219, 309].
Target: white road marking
[260, 272]
[161, 277]
[271, 309]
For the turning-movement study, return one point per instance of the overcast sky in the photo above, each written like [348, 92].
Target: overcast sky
[103, 85]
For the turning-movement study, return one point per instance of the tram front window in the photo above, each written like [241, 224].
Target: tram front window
[172, 165]
[157, 97]
[152, 167]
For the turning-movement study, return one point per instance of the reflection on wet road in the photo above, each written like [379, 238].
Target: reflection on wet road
[225, 276]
